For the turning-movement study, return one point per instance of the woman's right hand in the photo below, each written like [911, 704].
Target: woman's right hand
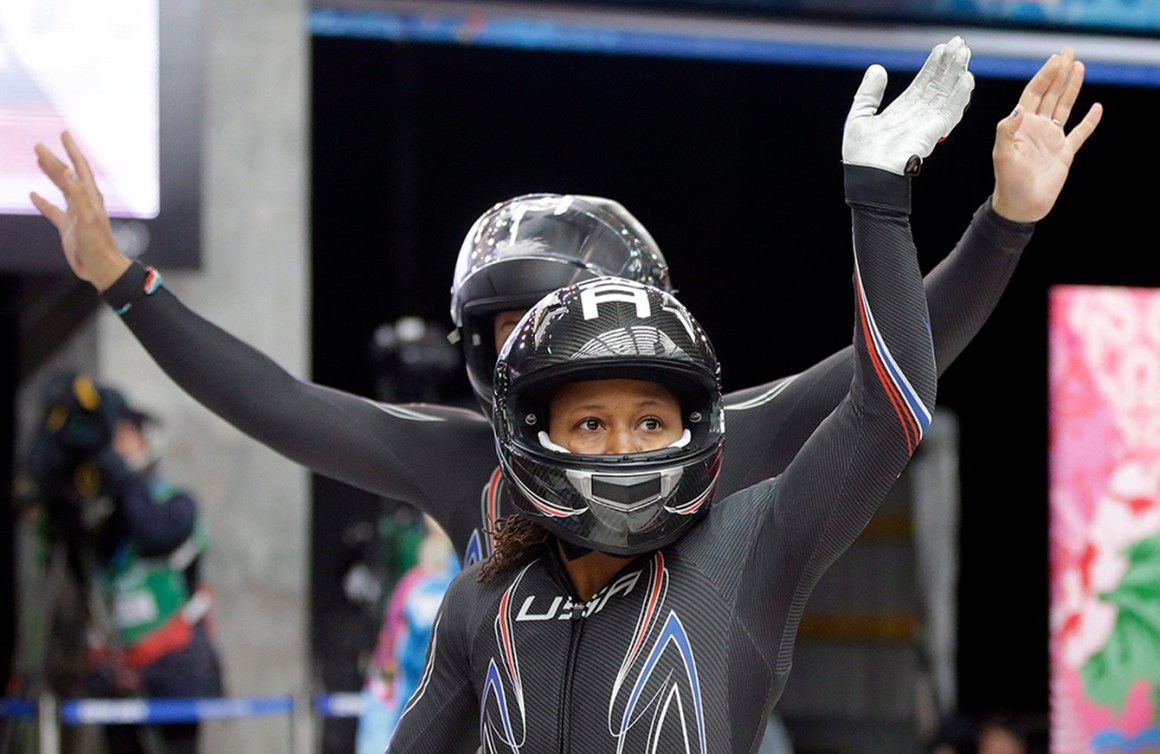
[85, 232]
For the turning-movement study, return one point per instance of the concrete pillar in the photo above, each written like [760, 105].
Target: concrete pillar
[253, 282]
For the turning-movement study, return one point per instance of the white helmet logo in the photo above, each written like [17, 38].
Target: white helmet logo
[592, 295]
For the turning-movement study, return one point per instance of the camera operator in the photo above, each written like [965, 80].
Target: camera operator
[134, 543]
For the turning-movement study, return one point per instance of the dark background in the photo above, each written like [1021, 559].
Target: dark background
[736, 171]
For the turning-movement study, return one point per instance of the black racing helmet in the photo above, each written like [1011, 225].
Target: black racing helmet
[528, 246]
[609, 328]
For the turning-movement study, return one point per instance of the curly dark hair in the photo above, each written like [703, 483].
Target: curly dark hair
[518, 540]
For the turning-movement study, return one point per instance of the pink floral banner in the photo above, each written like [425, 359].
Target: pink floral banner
[1105, 520]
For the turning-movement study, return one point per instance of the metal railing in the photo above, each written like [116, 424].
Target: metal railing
[51, 714]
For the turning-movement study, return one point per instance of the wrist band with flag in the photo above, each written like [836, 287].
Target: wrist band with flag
[135, 284]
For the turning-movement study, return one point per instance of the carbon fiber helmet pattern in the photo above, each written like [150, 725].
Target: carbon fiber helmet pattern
[609, 328]
[526, 247]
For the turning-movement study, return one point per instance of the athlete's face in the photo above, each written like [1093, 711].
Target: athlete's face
[505, 322]
[614, 416]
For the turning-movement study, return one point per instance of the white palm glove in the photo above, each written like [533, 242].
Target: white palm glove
[898, 138]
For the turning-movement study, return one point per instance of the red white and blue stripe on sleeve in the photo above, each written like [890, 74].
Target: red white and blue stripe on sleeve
[912, 412]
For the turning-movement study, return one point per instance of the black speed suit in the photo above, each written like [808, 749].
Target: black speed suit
[442, 460]
[687, 648]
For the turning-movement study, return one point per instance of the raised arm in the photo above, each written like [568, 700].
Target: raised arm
[782, 534]
[853, 459]
[1031, 156]
[795, 525]
[388, 450]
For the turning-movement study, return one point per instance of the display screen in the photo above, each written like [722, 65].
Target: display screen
[1088, 15]
[99, 71]
[70, 64]
[1008, 39]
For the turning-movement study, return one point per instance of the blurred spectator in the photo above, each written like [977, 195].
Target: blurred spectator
[997, 738]
[131, 544]
[955, 735]
[401, 649]
[776, 739]
[1013, 734]
[995, 733]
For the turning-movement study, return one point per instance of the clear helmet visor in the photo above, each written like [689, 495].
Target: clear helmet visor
[595, 236]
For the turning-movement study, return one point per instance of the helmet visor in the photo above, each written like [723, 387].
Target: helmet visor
[578, 231]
